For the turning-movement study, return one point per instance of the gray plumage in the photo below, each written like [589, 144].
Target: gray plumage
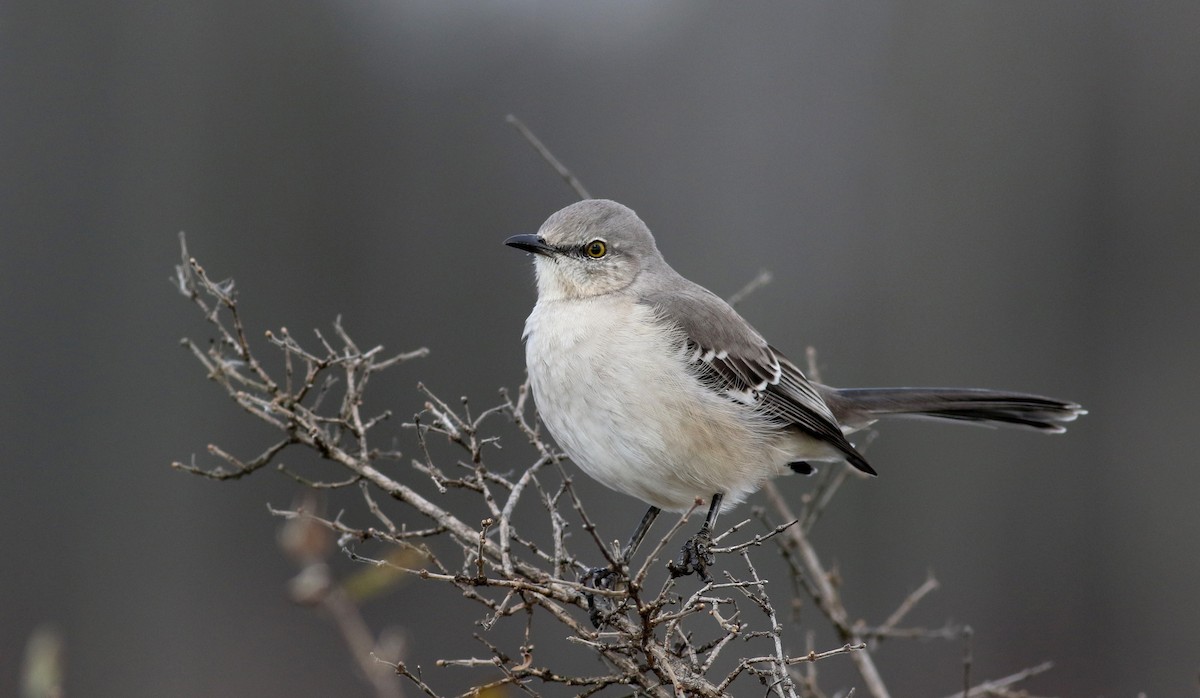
[656, 387]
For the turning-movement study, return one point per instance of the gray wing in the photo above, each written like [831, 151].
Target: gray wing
[733, 358]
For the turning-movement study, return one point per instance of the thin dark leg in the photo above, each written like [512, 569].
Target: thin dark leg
[696, 556]
[714, 508]
[606, 577]
[638, 534]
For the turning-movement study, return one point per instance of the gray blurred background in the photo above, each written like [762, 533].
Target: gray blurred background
[993, 194]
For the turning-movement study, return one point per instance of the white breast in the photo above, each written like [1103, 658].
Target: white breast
[611, 384]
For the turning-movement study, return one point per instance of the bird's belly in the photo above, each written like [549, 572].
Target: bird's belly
[611, 385]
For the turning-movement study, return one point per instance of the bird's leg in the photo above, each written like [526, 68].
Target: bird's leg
[635, 541]
[697, 555]
[596, 576]
[603, 577]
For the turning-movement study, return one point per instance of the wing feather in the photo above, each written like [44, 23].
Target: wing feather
[732, 357]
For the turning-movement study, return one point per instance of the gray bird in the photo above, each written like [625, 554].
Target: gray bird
[657, 388]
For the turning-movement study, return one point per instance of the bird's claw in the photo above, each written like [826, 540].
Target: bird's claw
[695, 557]
[599, 578]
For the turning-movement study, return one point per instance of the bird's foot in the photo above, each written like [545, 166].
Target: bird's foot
[605, 578]
[600, 577]
[696, 557]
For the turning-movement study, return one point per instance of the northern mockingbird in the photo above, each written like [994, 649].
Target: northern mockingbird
[657, 388]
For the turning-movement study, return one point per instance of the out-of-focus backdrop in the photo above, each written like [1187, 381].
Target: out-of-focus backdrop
[991, 194]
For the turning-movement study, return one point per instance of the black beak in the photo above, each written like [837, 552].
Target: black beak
[530, 243]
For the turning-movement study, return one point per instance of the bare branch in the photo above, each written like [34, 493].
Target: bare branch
[763, 278]
[826, 596]
[240, 468]
[999, 687]
[657, 642]
[542, 150]
[910, 601]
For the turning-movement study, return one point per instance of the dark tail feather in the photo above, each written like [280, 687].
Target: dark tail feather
[857, 407]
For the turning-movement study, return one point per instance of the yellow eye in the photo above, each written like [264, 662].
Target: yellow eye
[596, 249]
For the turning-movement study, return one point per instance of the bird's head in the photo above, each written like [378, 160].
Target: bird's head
[589, 248]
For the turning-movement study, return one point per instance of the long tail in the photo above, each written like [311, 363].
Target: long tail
[857, 407]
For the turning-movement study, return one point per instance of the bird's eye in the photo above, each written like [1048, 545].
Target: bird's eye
[596, 249]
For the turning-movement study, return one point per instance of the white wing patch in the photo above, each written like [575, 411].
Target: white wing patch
[768, 382]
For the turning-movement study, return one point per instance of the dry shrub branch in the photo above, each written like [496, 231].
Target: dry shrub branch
[654, 635]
